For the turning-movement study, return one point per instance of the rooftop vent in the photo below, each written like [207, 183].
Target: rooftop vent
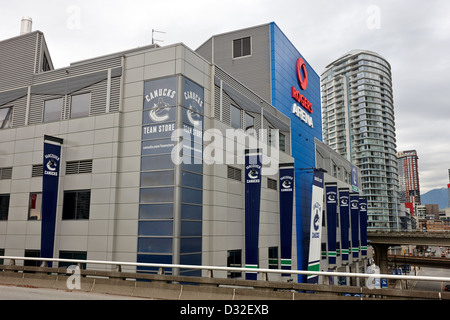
[26, 25]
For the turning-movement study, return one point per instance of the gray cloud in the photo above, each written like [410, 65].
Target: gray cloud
[414, 36]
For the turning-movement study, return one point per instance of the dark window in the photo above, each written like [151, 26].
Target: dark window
[5, 118]
[32, 254]
[282, 141]
[80, 105]
[34, 210]
[72, 255]
[76, 205]
[234, 260]
[271, 184]
[235, 115]
[273, 258]
[324, 250]
[242, 47]
[249, 122]
[4, 207]
[46, 64]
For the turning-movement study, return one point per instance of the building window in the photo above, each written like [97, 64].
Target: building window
[4, 207]
[234, 173]
[234, 260]
[272, 184]
[5, 118]
[32, 254]
[76, 205]
[72, 255]
[271, 136]
[273, 258]
[282, 141]
[236, 120]
[249, 122]
[52, 110]
[80, 105]
[324, 250]
[46, 64]
[242, 47]
[34, 210]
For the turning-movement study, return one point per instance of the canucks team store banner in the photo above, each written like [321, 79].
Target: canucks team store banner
[50, 184]
[316, 225]
[363, 225]
[286, 214]
[345, 222]
[331, 196]
[252, 209]
[354, 215]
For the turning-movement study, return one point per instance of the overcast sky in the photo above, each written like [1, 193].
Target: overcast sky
[413, 35]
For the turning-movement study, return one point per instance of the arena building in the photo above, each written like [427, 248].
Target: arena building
[158, 154]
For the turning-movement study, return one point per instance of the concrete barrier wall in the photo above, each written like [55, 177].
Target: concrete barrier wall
[176, 287]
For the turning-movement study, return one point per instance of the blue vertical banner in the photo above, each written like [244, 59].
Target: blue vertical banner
[286, 214]
[354, 215]
[50, 184]
[331, 197]
[344, 215]
[252, 209]
[315, 244]
[363, 225]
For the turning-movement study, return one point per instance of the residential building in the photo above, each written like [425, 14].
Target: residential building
[359, 123]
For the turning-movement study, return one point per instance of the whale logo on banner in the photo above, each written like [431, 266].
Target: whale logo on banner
[363, 225]
[344, 219]
[286, 214]
[50, 184]
[354, 215]
[331, 193]
[316, 223]
[252, 209]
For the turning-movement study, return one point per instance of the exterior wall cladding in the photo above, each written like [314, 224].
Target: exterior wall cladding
[121, 197]
[270, 70]
[141, 206]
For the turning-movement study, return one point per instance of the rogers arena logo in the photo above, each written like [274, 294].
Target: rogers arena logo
[297, 96]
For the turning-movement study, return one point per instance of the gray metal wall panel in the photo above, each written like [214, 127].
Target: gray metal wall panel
[17, 61]
[252, 71]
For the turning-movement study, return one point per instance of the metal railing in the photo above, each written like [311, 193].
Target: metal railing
[209, 269]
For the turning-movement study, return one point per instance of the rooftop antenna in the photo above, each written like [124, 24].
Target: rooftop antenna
[153, 36]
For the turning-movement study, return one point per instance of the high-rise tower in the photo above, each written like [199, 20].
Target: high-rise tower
[409, 177]
[359, 123]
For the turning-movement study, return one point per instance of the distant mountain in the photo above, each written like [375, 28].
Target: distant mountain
[436, 196]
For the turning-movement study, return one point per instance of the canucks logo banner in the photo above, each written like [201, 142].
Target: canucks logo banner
[252, 209]
[316, 226]
[363, 225]
[344, 202]
[50, 183]
[286, 214]
[354, 214]
[331, 196]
